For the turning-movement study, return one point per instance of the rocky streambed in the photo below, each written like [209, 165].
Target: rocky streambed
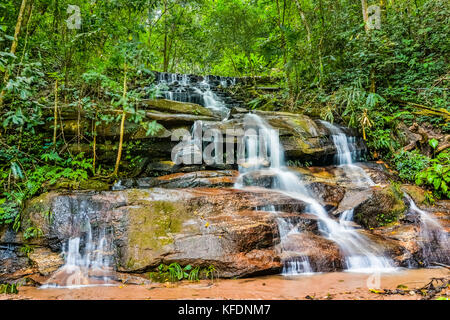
[324, 286]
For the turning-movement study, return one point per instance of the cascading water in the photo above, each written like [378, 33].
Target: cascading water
[433, 239]
[87, 262]
[211, 100]
[346, 153]
[179, 87]
[359, 254]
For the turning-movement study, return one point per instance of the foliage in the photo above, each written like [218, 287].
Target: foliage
[437, 176]
[174, 272]
[8, 288]
[32, 232]
[409, 164]
[26, 249]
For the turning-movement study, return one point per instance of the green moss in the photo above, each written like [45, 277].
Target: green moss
[305, 124]
[92, 184]
[152, 227]
[416, 193]
[383, 208]
[163, 105]
[397, 207]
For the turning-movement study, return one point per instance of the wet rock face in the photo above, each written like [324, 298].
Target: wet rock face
[152, 226]
[13, 263]
[324, 255]
[303, 139]
[197, 218]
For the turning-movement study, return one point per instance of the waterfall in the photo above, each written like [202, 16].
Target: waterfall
[346, 153]
[433, 239]
[265, 153]
[193, 92]
[360, 255]
[87, 262]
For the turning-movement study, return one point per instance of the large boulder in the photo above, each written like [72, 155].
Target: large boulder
[382, 206]
[190, 226]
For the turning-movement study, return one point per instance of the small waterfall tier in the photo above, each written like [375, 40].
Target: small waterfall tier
[204, 91]
[433, 240]
[87, 258]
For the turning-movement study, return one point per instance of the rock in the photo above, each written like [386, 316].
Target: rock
[45, 260]
[131, 279]
[326, 191]
[212, 179]
[175, 107]
[329, 193]
[404, 246]
[383, 206]
[324, 255]
[168, 167]
[379, 172]
[190, 226]
[415, 192]
[14, 264]
[352, 199]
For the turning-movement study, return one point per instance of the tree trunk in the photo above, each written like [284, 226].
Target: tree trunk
[55, 114]
[94, 146]
[122, 123]
[365, 15]
[305, 22]
[14, 45]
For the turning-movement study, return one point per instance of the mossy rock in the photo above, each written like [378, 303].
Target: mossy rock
[384, 206]
[151, 229]
[92, 184]
[415, 192]
[169, 106]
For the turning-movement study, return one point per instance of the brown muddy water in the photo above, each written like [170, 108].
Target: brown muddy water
[335, 285]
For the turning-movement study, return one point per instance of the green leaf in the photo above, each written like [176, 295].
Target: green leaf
[433, 143]
[444, 187]
[436, 183]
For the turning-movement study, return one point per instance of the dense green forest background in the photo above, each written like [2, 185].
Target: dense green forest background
[323, 54]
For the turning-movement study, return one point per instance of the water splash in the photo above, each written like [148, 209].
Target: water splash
[433, 239]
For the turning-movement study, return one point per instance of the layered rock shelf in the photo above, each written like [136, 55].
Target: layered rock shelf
[198, 218]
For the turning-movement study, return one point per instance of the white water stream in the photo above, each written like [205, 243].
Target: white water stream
[87, 262]
[359, 253]
[433, 239]
[346, 153]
